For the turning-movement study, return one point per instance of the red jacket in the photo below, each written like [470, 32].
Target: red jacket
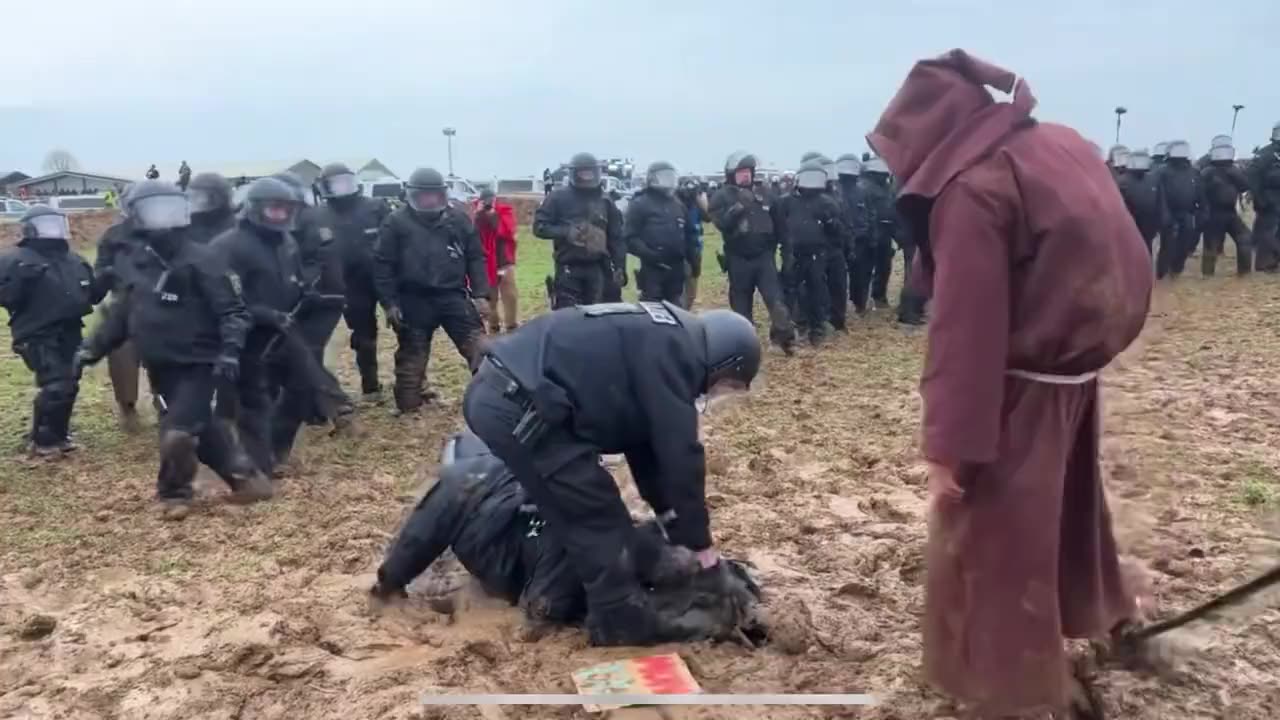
[497, 238]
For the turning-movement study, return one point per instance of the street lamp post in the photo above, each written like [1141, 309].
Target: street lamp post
[1234, 114]
[449, 133]
[1120, 111]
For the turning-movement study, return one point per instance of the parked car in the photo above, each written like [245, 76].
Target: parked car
[10, 208]
[69, 203]
[387, 189]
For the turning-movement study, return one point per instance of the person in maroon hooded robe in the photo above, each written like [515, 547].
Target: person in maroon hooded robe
[1038, 278]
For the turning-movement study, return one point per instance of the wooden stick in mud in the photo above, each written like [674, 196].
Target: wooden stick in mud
[1230, 597]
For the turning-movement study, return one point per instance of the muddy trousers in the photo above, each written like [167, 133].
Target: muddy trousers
[838, 287]
[424, 313]
[1266, 237]
[1216, 230]
[813, 297]
[50, 356]
[361, 315]
[661, 282]
[123, 367]
[746, 276]
[580, 284]
[1177, 242]
[189, 433]
[252, 407]
[582, 508]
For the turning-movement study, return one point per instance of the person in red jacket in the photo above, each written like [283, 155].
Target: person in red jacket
[496, 222]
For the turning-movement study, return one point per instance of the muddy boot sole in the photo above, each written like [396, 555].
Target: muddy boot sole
[174, 510]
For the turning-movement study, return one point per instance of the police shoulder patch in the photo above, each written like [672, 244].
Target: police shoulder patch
[234, 279]
[325, 234]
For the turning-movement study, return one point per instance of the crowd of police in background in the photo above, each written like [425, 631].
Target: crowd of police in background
[229, 309]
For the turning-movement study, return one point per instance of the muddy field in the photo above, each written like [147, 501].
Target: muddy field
[250, 613]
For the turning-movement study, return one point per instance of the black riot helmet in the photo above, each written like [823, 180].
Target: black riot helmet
[1180, 150]
[740, 160]
[209, 192]
[662, 176]
[157, 206]
[1275, 132]
[1160, 151]
[427, 193]
[733, 348]
[848, 165]
[812, 176]
[42, 222]
[584, 171]
[1139, 161]
[811, 155]
[1222, 155]
[294, 183]
[337, 181]
[272, 204]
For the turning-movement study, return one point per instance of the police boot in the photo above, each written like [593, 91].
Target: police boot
[177, 469]
[367, 364]
[1208, 262]
[1244, 259]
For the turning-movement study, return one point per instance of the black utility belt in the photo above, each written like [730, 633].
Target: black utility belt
[531, 428]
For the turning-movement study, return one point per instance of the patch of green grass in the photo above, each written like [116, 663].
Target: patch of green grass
[1257, 484]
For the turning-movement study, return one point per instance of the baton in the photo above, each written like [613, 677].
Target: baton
[1231, 597]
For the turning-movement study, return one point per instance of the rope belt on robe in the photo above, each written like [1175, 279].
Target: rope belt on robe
[1051, 379]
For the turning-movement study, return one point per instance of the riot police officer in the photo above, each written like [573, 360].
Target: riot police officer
[811, 227]
[655, 233]
[1159, 155]
[211, 212]
[46, 290]
[746, 221]
[429, 271]
[1181, 187]
[877, 263]
[355, 220]
[1118, 160]
[183, 309]
[1224, 183]
[110, 268]
[261, 253]
[1141, 191]
[618, 378]
[587, 231]
[1264, 176]
[841, 256]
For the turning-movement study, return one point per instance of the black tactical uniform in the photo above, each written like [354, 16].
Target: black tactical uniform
[265, 259]
[575, 383]
[1264, 181]
[586, 229]
[211, 210]
[478, 510]
[858, 220]
[1223, 184]
[840, 254]
[876, 264]
[114, 248]
[355, 220]
[655, 233]
[183, 310]
[428, 266]
[47, 290]
[811, 228]
[1141, 190]
[1183, 194]
[746, 222]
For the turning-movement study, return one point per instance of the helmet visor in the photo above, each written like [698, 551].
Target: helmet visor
[1140, 161]
[1221, 153]
[50, 227]
[201, 200]
[586, 177]
[162, 212]
[663, 180]
[340, 185]
[427, 200]
[1220, 140]
[848, 167]
[1180, 150]
[1120, 157]
[811, 179]
[279, 213]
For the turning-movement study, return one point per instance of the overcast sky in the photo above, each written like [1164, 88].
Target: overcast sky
[124, 83]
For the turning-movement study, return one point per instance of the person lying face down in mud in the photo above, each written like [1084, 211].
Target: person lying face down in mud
[479, 510]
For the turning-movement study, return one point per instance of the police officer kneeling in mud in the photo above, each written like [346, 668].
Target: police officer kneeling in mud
[479, 510]
[183, 311]
[615, 378]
